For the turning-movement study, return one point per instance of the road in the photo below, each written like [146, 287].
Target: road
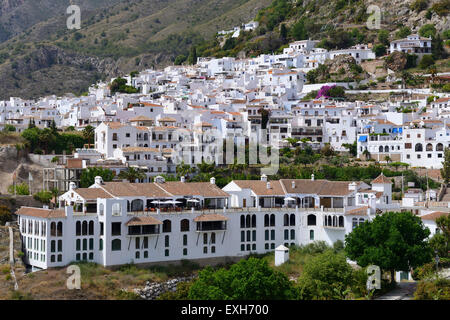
[404, 291]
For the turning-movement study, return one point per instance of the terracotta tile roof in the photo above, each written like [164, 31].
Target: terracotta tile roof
[143, 221]
[204, 189]
[434, 215]
[441, 100]
[74, 163]
[126, 189]
[382, 179]
[41, 212]
[115, 125]
[260, 187]
[357, 212]
[92, 193]
[167, 119]
[210, 217]
[319, 187]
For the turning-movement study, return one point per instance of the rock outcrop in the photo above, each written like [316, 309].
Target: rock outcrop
[153, 290]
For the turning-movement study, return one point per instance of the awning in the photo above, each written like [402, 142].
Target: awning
[400, 130]
[368, 127]
[210, 217]
[362, 138]
[143, 221]
[395, 130]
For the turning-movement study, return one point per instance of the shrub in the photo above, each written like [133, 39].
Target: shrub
[419, 5]
[427, 30]
[43, 196]
[20, 189]
[427, 60]
[424, 271]
[446, 87]
[438, 289]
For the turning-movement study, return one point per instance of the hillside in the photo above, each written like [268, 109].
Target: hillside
[123, 37]
[39, 54]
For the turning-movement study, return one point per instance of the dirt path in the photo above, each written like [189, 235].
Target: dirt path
[404, 291]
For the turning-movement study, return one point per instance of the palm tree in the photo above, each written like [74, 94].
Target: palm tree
[55, 194]
[387, 159]
[131, 174]
[89, 134]
[184, 169]
[366, 153]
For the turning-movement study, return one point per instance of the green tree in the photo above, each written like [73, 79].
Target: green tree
[21, 189]
[419, 5]
[87, 177]
[427, 30]
[443, 223]
[393, 241]
[180, 59]
[383, 37]
[437, 48]
[352, 148]
[132, 174]
[326, 276]
[250, 279]
[89, 134]
[298, 31]
[379, 49]
[43, 196]
[403, 32]
[426, 61]
[192, 59]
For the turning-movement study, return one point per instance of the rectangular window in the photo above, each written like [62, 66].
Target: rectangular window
[145, 254]
[205, 250]
[272, 234]
[59, 245]
[311, 234]
[84, 245]
[166, 252]
[145, 243]
[101, 228]
[254, 247]
[242, 236]
[242, 247]
[137, 242]
[91, 256]
[254, 235]
[185, 252]
[116, 228]
[286, 234]
[213, 249]
[91, 244]
[266, 235]
[100, 244]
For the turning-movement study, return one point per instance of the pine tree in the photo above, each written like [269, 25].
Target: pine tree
[192, 59]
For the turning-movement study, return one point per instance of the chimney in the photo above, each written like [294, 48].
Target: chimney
[98, 180]
[264, 178]
[293, 184]
[183, 179]
[268, 185]
[352, 186]
[212, 180]
[72, 186]
[312, 177]
[160, 179]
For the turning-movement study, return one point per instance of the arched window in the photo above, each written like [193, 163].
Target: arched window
[311, 234]
[380, 149]
[272, 220]
[266, 220]
[91, 228]
[354, 223]
[184, 225]
[254, 221]
[242, 221]
[325, 221]
[292, 220]
[292, 234]
[418, 147]
[329, 221]
[341, 221]
[361, 220]
[247, 221]
[116, 209]
[386, 148]
[439, 147]
[137, 205]
[311, 220]
[78, 228]
[213, 238]
[334, 221]
[52, 229]
[167, 226]
[60, 229]
[286, 220]
[84, 228]
[429, 147]
[116, 245]
[101, 208]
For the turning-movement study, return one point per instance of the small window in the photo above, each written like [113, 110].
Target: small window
[145, 254]
[311, 234]
[166, 252]
[205, 250]
[116, 245]
[185, 252]
[213, 249]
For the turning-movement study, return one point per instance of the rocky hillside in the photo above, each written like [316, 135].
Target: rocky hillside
[39, 56]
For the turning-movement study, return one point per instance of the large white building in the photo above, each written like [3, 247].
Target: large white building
[116, 223]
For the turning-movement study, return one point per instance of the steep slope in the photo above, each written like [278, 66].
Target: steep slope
[123, 37]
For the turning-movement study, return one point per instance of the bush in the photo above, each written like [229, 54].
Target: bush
[427, 60]
[43, 196]
[424, 271]
[446, 87]
[20, 189]
[419, 5]
[379, 49]
[438, 289]
[427, 30]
